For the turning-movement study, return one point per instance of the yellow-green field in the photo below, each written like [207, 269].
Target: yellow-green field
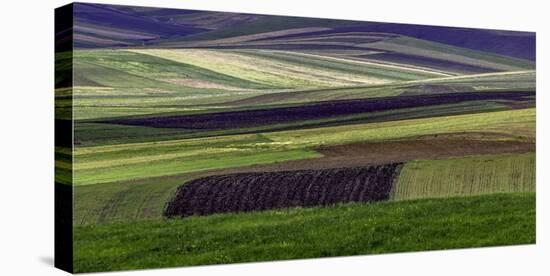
[467, 176]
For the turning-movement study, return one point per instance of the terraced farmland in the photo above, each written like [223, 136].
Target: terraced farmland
[244, 137]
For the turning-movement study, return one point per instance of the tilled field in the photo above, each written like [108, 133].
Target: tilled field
[252, 118]
[274, 190]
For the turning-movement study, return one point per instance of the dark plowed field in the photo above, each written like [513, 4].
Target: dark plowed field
[274, 190]
[252, 118]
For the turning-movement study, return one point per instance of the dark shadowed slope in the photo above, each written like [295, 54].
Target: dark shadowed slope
[99, 25]
[507, 43]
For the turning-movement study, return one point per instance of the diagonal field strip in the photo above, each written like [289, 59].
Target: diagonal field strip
[175, 166]
[269, 72]
[480, 76]
[387, 65]
[412, 46]
[504, 122]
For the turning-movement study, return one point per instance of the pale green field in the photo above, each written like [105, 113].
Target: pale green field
[475, 175]
[264, 71]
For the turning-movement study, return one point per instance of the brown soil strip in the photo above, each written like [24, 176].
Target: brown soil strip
[421, 149]
[365, 154]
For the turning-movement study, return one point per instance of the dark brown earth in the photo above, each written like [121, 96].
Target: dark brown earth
[275, 190]
[421, 149]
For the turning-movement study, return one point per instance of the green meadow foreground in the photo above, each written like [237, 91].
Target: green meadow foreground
[343, 230]
[291, 101]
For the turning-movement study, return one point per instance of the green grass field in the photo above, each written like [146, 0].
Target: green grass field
[343, 230]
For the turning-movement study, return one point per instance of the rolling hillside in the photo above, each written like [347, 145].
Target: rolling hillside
[138, 26]
[285, 132]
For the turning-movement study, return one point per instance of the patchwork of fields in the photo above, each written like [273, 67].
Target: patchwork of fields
[288, 139]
